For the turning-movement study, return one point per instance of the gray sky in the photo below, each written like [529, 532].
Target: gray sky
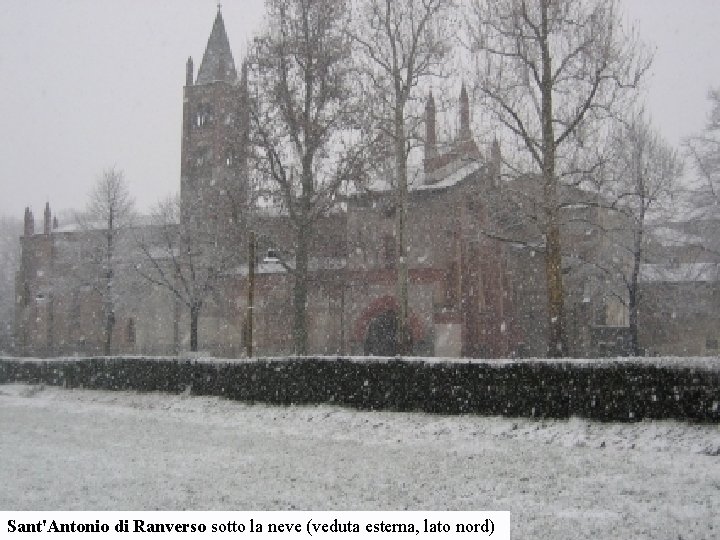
[92, 83]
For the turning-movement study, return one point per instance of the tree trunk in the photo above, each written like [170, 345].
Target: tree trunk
[557, 341]
[108, 308]
[403, 335]
[250, 296]
[300, 291]
[177, 310]
[633, 313]
[304, 230]
[109, 324]
[194, 316]
[633, 294]
[633, 299]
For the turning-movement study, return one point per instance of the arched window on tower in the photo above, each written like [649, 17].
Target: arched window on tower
[131, 331]
[203, 117]
[389, 252]
[203, 156]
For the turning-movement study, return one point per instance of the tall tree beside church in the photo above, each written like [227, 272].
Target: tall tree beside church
[555, 73]
[402, 43]
[644, 179]
[10, 230]
[302, 123]
[186, 260]
[704, 152]
[109, 213]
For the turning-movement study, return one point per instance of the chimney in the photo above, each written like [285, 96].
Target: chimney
[46, 222]
[430, 129]
[189, 72]
[464, 134]
[29, 229]
[55, 222]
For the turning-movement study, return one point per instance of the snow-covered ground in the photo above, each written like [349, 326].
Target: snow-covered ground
[89, 450]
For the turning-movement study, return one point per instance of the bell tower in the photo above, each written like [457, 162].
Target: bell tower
[214, 185]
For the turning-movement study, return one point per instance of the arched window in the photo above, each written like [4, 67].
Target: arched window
[203, 117]
[202, 156]
[389, 251]
[131, 331]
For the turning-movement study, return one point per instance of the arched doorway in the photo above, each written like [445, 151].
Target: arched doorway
[375, 330]
[381, 338]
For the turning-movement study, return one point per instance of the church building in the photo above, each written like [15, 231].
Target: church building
[472, 293]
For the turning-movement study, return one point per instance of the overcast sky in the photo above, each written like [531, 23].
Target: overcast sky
[88, 84]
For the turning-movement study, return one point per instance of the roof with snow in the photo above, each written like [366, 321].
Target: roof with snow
[418, 180]
[217, 63]
[670, 237]
[679, 273]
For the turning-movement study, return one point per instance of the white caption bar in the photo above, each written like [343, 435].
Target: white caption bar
[256, 525]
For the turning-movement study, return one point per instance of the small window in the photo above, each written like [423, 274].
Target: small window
[203, 116]
[389, 251]
[711, 344]
[131, 331]
[271, 256]
[203, 157]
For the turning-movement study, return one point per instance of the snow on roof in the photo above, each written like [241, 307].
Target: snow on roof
[670, 237]
[74, 226]
[271, 265]
[452, 178]
[70, 227]
[448, 176]
[691, 212]
[678, 273]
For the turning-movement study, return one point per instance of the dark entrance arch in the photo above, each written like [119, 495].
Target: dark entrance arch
[381, 339]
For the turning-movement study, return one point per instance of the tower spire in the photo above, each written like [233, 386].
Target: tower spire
[29, 223]
[189, 72]
[217, 62]
[46, 219]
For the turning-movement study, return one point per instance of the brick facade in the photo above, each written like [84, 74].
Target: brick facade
[470, 294]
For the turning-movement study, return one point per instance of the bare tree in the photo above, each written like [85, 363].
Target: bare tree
[186, 260]
[302, 124]
[402, 42]
[110, 212]
[644, 180]
[10, 231]
[554, 74]
[704, 152]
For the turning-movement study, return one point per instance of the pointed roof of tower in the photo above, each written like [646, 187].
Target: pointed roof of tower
[463, 93]
[430, 103]
[217, 63]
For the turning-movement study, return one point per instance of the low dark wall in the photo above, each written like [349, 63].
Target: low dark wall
[609, 391]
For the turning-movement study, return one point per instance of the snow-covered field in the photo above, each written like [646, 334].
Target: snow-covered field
[89, 450]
